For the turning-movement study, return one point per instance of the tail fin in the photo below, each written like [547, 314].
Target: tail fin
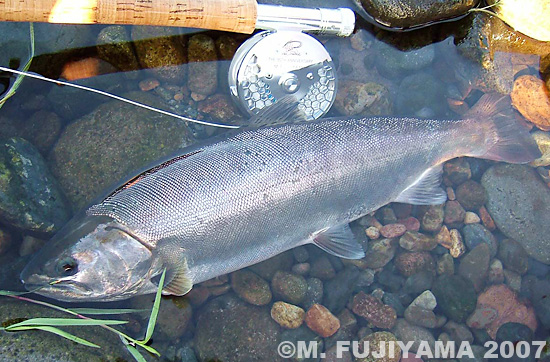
[505, 138]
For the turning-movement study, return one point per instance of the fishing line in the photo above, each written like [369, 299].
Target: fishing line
[103, 93]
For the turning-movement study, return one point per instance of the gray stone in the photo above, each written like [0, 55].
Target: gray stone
[519, 203]
[475, 234]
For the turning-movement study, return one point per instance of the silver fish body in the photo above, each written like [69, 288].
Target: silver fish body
[241, 200]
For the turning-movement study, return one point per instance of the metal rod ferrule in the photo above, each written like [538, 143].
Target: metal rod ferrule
[340, 22]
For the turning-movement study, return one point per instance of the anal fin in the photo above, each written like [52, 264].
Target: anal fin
[339, 241]
[426, 190]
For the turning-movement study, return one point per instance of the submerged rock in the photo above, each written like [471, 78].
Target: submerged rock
[111, 142]
[30, 198]
[519, 203]
[229, 330]
[456, 296]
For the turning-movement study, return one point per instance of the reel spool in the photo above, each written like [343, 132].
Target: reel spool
[271, 65]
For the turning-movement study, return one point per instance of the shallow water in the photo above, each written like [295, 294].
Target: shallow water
[88, 142]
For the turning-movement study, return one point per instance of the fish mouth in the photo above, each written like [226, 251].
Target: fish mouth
[56, 287]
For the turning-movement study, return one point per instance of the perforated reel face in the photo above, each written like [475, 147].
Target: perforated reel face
[271, 65]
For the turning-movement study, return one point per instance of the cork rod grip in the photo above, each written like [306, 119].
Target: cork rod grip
[227, 15]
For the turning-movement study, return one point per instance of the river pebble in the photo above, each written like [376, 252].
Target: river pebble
[410, 263]
[433, 218]
[532, 99]
[289, 287]
[415, 241]
[407, 332]
[456, 296]
[522, 215]
[320, 320]
[322, 269]
[373, 310]
[454, 214]
[393, 230]
[250, 287]
[376, 341]
[287, 315]
[475, 234]
[379, 253]
[475, 265]
[513, 256]
[471, 195]
[471, 218]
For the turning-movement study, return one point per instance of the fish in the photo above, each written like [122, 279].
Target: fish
[240, 199]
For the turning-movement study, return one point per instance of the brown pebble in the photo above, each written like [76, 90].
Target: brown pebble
[532, 99]
[443, 238]
[321, 321]
[148, 84]
[486, 219]
[451, 194]
[198, 97]
[471, 218]
[411, 223]
[457, 248]
[178, 96]
[198, 295]
[374, 311]
[372, 232]
[393, 230]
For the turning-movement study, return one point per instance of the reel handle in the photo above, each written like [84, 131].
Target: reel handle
[226, 15]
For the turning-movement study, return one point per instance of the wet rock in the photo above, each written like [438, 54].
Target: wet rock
[341, 288]
[387, 215]
[301, 269]
[399, 14]
[458, 332]
[411, 223]
[415, 241]
[221, 108]
[475, 234]
[419, 282]
[445, 265]
[496, 272]
[174, 316]
[522, 215]
[335, 354]
[162, 50]
[379, 253]
[289, 287]
[512, 279]
[457, 245]
[393, 62]
[420, 317]
[42, 129]
[295, 336]
[456, 296]
[406, 332]
[389, 280]
[513, 256]
[30, 198]
[475, 265]
[115, 47]
[454, 214]
[410, 263]
[322, 268]
[30, 245]
[347, 331]
[457, 170]
[320, 320]
[203, 65]
[516, 332]
[373, 310]
[543, 141]
[532, 99]
[537, 268]
[425, 300]
[48, 347]
[421, 92]
[287, 315]
[300, 254]
[5, 241]
[486, 219]
[393, 230]
[372, 232]
[376, 341]
[498, 305]
[443, 237]
[107, 144]
[314, 292]
[250, 287]
[471, 195]
[540, 290]
[198, 295]
[394, 301]
[356, 98]
[471, 218]
[249, 332]
[267, 268]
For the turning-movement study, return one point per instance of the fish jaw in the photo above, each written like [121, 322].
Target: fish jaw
[93, 259]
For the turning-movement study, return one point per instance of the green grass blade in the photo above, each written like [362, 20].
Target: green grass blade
[6, 293]
[65, 322]
[59, 332]
[94, 311]
[135, 353]
[155, 310]
[20, 77]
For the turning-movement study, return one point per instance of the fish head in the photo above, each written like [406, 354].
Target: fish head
[93, 258]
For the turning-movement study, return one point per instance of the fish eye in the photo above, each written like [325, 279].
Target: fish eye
[67, 267]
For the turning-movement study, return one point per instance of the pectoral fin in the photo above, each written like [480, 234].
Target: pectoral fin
[425, 190]
[339, 241]
[177, 280]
